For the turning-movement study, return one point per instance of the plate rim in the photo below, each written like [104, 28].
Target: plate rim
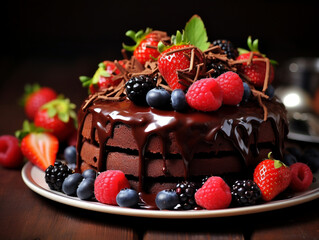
[191, 214]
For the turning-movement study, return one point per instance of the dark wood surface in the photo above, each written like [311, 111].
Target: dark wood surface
[27, 215]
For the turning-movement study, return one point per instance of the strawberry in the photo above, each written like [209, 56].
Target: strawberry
[256, 71]
[272, 177]
[57, 116]
[103, 77]
[145, 48]
[37, 146]
[34, 97]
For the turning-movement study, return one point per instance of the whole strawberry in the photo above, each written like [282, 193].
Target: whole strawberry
[272, 177]
[145, 48]
[34, 97]
[57, 116]
[38, 146]
[103, 77]
[257, 70]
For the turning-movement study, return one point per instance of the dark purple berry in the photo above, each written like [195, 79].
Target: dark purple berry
[137, 87]
[85, 189]
[89, 173]
[245, 192]
[55, 175]
[227, 47]
[158, 98]
[289, 159]
[127, 198]
[166, 199]
[70, 154]
[186, 193]
[247, 92]
[71, 183]
[178, 100]
[270, 92]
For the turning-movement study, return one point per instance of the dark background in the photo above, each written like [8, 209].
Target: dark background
[54, 42]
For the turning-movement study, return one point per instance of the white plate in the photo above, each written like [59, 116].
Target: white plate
[34, 179]
[302, 137]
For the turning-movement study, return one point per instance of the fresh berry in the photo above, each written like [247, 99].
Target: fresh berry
[311, 158]
[245, 192]
[35, 97]
[40, 148]
[89, 173]
[272, 177]
[127, 198]
[138, 87]
[178, 100]
[55, 175]
[301, 177]
[158, 98]
[103, 77]
[186, 193]
[10, 152]
[57, 116]
[227, 47]
[85, 189]
[70, 154]
[170, 63]
[256, 71]
[214, 194]
[289, 159]
[166, 199]
[232, 87]
[247, 92]
[108, 184]
[205, 95]
[145, 48]
[270, 91]
[219, 68]
[295, 151]
[71, 183]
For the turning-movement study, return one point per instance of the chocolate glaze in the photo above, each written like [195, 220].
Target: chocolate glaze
[237, 124]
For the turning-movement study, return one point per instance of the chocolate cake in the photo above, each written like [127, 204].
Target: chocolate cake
[159, 147]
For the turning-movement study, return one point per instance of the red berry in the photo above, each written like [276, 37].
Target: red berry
[108, 184]
[232, 86]
[214, 194]
[10, 152]
[301, 177]
[143, 52]
[205, 95]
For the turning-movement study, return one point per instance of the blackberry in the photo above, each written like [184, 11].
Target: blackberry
[55, 175]
[245, 192]
[186, 194]
[218, 67]
[137, 88]
[227, 47]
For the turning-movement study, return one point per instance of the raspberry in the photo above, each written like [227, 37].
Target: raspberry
[10, 152]
[232, 87]
[205, 95]
[214, 194]
[301, 177]
[108, 184]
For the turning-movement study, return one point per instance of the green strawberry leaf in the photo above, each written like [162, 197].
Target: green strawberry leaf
[277, 164]
[27, 128]
[195, 33]
[61, 107]
[28, 90]
[137, 37]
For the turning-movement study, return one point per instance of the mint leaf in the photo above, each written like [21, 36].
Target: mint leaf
[195, 33]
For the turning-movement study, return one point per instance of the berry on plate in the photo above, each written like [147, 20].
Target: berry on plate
[70, 154]
[245, 192]
[166, 199]
[55, 175]
[35, 97]
[108, 184]
[232, 87]
[85, 189]
[89, 173]
[127, 198]
[10, 152]
[37, 146]
[205, 95]
[214, 194]
[301, 177]
[71, 183]
[58, 117]
[272, 177]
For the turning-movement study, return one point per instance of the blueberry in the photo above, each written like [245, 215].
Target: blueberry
[289, 159]
[270, 91]
[70, 154]
[71, 183]
[86, 189]
[295, 151]
[127, 198]
[89, 173]
[247, 92]
[178, 100]
[166, 199]
[158, 98]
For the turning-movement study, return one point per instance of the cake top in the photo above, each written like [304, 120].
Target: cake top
[183, 72]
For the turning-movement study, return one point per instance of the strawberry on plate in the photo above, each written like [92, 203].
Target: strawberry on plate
[34, 97]
[272, 177]
[103, 77]
[145, 48]
[58, 117]
[257, 70]
[38, 146]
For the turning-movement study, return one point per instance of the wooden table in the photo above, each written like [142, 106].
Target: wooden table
[27, 215]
